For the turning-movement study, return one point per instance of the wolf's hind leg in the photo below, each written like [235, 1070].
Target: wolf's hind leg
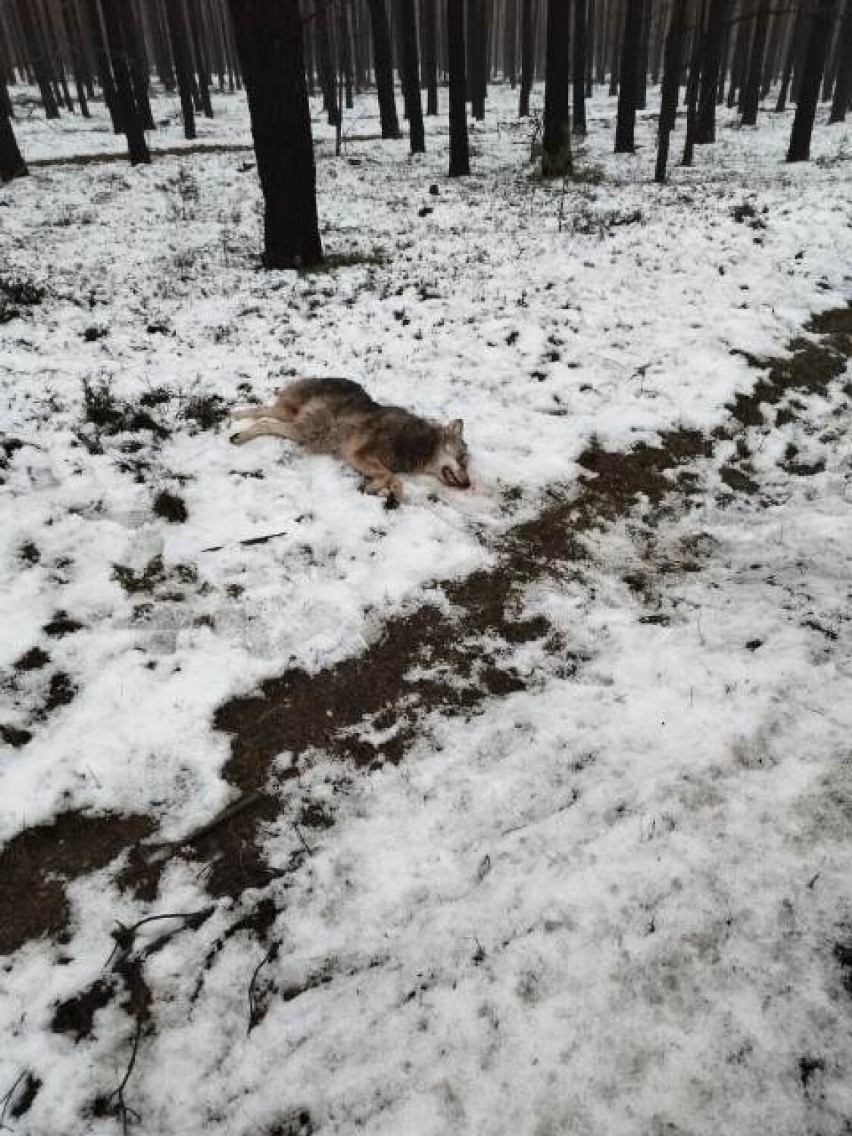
[262, 427]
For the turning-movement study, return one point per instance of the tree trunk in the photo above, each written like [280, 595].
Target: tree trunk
[510, 40]
[711, 67]
[36, 50]
[671, 85]
[199, 50]
[12, 164]
[527, 56]
[325, 61]
[792, 48]
[344, 53]
[751, 90]
[127, 109]
[614, 47]
[104, 68]
[476, 58]
[817, 50]
[383, 66]
[556, 143]
[459, 151]
[411, 76]
[137, 61]
[740, 60]
[430, 55]
[579, 67]
[182, 63]
[642, 67]
[268, 34]
[627, 87]
[843, 78]
[692, 83]
[71, 29]
[773, 53]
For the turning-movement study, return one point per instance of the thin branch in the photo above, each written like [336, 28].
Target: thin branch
[255, 1015]
[7, 1098]
[123, 1111]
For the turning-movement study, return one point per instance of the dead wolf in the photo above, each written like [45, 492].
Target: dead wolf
[338, 417]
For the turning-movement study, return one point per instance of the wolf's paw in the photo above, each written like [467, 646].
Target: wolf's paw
[391, 501]
[235, 439]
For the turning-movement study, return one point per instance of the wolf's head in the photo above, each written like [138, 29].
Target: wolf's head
[450, 460]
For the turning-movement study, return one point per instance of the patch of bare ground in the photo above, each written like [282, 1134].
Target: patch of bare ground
[36, 863]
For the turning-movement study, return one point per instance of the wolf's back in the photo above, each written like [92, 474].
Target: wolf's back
[331, 389]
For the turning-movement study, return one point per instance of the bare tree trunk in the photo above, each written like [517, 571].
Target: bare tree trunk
[97, 35]
[411, 76]
[268, 34]
[71, 31]
[751, 90]
[787, 75]
[202, 67]
[430, 55]
[459, 150]
[527, 56]
[692, 83]
[383, 65]
[818, 42]
[627, 88]
[137, 62]
[126, 106]
[325, 62]
[843, 79]
[476, 58]
[12, 164]
[711, 68]
[182, 63]
[614, 46]
[556, 143]
[510, 43]
[642, 68]
[36, 50]
[671, 85]
[579, 68]
[739, 61]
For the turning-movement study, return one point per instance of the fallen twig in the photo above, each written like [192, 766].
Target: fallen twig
[305, 844]
[247, 541]
[162, 852]
[123, 1111]
[7, 1098]
[124, 935]
[255, 1015]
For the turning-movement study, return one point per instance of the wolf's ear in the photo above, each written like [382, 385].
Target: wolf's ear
[456, 428]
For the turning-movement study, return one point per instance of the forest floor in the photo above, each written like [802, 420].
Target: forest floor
[521, 810]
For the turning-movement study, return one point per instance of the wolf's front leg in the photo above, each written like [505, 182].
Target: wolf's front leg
[377, 477]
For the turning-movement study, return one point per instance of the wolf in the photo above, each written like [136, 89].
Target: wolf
[338, 417]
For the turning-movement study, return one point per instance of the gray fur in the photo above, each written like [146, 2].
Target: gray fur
[338, 417]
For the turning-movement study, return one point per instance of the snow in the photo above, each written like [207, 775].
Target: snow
[606, 903]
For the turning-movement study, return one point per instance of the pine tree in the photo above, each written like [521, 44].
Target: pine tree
[268, 34]
[556, 141]
[819, 39]
[459, 150]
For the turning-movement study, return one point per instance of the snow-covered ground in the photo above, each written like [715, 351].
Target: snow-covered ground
[613, 900]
